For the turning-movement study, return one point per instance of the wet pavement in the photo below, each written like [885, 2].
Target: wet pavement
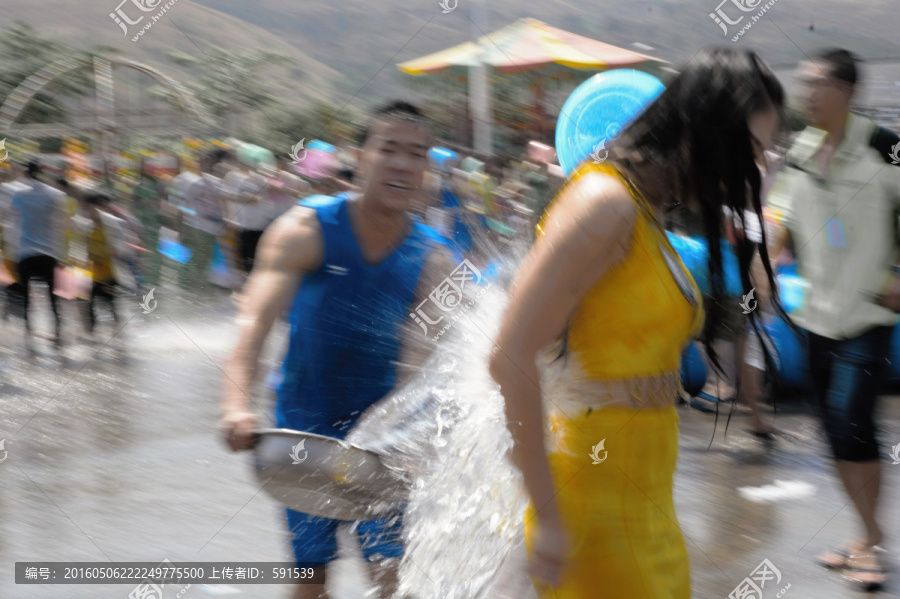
[113, 455]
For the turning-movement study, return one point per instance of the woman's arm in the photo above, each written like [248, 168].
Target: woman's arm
[586, 232]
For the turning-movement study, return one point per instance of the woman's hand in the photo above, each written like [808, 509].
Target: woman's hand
[548, 554]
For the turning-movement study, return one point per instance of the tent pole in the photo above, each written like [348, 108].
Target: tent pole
[479, 93]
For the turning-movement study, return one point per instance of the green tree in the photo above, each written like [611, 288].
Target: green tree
[320, 120]
[23, 51]
[231, 84]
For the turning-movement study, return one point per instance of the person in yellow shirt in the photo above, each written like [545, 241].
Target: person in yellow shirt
[604, 302]
[101, 249]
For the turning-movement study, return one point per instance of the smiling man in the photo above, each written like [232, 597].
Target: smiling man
[354, 266]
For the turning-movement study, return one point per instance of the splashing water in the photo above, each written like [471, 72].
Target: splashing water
[446, 433]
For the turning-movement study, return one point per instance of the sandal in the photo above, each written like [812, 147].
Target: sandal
[870, 578]
[767, 435]
[838, 557]
[705, 402]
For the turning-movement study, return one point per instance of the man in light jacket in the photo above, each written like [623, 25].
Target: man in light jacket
[839, 193]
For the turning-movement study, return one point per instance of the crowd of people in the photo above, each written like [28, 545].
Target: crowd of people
[393, 226]
[115, 230]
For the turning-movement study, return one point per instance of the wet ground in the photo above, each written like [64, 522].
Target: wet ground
[113, 455]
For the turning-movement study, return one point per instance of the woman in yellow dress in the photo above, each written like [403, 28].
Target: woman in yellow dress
[596, 431]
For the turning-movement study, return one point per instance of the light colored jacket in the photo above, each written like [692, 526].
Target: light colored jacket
[39, 211]
[843, 225]
[10, 222]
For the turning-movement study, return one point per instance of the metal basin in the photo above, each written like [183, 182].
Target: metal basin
[325, 477]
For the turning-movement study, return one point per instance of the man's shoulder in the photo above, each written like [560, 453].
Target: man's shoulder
[12, 188]
[111, 220]
[185, 177]
[321, 201]
[803, 146]
[205, 183]
[297, 235]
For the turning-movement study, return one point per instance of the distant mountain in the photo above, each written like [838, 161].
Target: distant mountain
[187, 26]
[359, 38]
[347, 50]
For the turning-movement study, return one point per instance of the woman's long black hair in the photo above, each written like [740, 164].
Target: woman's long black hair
[696, 136]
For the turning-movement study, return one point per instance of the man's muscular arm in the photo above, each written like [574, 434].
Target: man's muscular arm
[291, 247]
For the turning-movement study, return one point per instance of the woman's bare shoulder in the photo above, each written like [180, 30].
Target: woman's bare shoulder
[595, 203]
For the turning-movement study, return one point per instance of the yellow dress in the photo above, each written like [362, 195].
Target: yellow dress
[626, 334]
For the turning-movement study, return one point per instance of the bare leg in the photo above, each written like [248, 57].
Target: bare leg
[862, 481]
[310, 591]
[751, 393]
[750, 384]
[717, 385]
[386, 576]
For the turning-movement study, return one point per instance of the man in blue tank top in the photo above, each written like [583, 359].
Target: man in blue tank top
[355, 267]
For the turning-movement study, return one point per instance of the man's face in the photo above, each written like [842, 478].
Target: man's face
[825, 98]
[393, 162]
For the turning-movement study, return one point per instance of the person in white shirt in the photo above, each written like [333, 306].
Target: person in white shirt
[10, 233]
[204, 198]
[39, 210]
[284, 189]
[251, 216]
[175, 196]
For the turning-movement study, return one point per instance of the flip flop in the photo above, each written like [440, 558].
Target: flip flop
[870, 579]
[702, 400]
[767, 435]
[835, 559]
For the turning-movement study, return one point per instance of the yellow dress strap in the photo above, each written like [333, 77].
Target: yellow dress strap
[607, 169]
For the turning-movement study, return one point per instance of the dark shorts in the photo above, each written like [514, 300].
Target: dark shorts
[249, 241]
[847, 375]
[315, 541]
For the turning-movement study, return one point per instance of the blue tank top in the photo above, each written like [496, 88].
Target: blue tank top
[345, 326]
[462, 237]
